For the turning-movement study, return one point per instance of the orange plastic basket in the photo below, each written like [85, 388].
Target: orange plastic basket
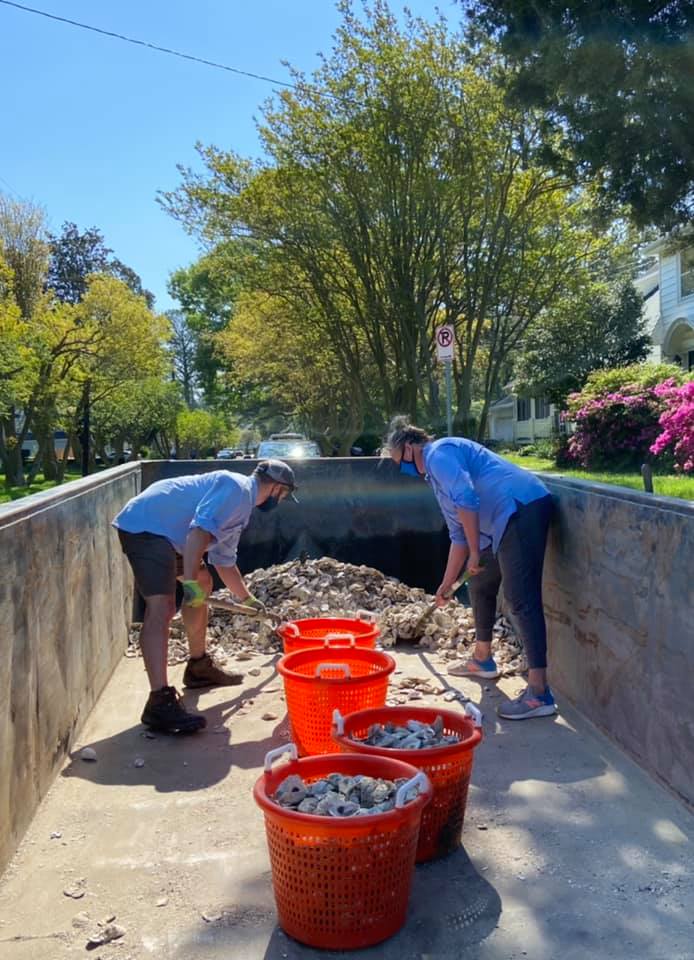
[318, 681]
[341, 883]
[321, 631]
[448, 767]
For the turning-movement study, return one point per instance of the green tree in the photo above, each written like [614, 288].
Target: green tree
[139, 413]
[301, 381]
[614, 82]
[120, 341]
[24, 252]
[399, 192]
[200, 432]
[183, 350]
[206, 291]
[75, 256]
[597, 328]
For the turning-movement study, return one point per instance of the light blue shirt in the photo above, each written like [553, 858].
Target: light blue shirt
[464, 474]
[219, 502]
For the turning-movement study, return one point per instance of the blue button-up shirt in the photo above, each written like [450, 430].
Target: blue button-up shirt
[464, 474]
[219, 502]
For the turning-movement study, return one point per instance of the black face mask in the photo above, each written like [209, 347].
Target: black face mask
[268, 504]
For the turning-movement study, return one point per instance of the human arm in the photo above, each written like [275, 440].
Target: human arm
[197, 542]
[470, 521]
[232, 579]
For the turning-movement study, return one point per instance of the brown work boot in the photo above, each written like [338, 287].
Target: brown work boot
[204, 672]
[164, 711]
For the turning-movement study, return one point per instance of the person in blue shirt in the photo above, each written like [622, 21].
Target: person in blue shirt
[498, 518]
[165, 532]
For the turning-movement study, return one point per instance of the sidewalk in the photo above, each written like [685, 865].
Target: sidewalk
[571, 851]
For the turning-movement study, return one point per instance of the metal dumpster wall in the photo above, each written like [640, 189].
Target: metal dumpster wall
[358, 510]
[65, 599]
[619, 599]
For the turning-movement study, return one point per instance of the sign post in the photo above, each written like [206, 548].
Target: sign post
[444, 352]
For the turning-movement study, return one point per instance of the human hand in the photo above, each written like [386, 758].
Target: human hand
[443, 594]
[193, 594]
[254, 604]
[474, 564]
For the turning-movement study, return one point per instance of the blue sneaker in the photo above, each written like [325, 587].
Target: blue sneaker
[529, 704]
[482, 669]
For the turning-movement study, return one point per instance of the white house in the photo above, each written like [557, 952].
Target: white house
[668, 291]
[516, 419]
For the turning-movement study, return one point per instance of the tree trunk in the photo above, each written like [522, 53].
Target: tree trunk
[11, 451]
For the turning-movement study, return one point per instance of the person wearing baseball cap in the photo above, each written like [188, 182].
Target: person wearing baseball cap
[165, 532]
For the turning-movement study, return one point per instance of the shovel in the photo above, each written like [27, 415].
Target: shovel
[264, 616]
[449, 593]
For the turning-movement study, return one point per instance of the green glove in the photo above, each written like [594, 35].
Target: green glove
[254, 603]
[193, 594]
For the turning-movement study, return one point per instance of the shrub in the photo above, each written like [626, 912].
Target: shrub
[617, 417]
[677, 425]
[614, 430]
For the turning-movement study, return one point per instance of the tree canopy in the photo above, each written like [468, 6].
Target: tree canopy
[614, 80]
[400, 189]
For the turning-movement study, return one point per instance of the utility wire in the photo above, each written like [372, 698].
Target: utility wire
[157, 47]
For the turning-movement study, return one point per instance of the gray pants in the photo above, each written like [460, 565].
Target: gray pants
[518, 565]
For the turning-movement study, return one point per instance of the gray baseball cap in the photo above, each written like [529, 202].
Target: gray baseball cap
[280, 472]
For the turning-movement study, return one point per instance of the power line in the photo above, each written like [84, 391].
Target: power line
[157, 47]
[10, 188]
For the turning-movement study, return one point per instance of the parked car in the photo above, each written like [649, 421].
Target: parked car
[288, 449]
[228, 454]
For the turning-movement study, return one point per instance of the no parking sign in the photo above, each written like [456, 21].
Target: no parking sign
[444, 342]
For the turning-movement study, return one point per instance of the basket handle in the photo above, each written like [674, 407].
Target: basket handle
[348, 638]
[290, 628]
[275, 754]
[418, 783]
[333, 666]
[338, 722]
[472, 711]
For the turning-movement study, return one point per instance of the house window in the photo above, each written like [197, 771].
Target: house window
[523, 408]
[541, 408]
[687, 272]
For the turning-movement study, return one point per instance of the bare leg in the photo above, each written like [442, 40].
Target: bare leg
[537, 679]
[195, 619]
[154, 637]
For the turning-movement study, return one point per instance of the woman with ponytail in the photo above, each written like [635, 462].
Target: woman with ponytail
[498, 518]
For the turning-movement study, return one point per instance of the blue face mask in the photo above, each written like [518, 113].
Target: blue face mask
[409, 469]
[268, 504]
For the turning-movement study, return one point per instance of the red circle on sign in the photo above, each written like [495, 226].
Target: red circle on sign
[444, 337]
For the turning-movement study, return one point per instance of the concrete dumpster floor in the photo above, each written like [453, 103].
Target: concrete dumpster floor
[570, 850]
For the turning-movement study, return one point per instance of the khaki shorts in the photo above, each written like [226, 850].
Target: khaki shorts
[154, 562]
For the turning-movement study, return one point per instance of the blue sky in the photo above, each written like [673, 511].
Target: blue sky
[92, 127]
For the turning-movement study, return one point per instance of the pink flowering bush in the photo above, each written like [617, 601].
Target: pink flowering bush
[615, 429]
[676, 438]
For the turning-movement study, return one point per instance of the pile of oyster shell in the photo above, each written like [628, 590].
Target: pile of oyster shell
[338, 795]
[328, 587]
[414, 735]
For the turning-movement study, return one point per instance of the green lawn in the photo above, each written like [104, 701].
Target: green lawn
[670, 485]
[16, 493]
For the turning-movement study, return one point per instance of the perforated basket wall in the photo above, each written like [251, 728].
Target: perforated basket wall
[311, 700]
[449, 769]
[341, 883]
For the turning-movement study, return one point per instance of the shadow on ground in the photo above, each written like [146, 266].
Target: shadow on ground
[208, 755]
[451, 904]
